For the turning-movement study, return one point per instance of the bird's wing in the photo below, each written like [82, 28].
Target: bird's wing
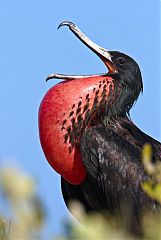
[114, 173]
[114, 166]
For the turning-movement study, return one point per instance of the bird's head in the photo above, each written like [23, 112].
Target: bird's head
[129, 78]
[79, 102]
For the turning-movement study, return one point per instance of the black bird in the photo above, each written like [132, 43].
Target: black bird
[107, 140]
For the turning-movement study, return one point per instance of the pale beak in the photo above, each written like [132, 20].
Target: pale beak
[102, 53]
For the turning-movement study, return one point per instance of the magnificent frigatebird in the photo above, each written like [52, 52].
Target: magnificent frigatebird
[89, 138]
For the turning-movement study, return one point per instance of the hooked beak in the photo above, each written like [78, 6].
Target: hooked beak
[102, 53]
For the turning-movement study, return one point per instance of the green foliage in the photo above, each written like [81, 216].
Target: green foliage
[3, 227]
[26, 211]
[95, 226]
[152, 186]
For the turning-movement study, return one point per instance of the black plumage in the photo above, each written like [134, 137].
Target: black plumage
[111, 152]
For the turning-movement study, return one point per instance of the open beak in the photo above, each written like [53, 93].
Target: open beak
[102, 53]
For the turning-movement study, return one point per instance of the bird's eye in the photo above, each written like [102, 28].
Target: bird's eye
[121, 61]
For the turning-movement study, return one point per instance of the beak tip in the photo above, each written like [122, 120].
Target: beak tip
[54, 76]
[59, 26]
[65, 23]
[49, 77]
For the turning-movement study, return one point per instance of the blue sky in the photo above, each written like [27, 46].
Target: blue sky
[31, 48]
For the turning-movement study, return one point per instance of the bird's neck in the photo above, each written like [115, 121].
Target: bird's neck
[117, 105]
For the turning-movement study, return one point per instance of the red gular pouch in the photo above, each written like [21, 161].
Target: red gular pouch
[65, 113]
